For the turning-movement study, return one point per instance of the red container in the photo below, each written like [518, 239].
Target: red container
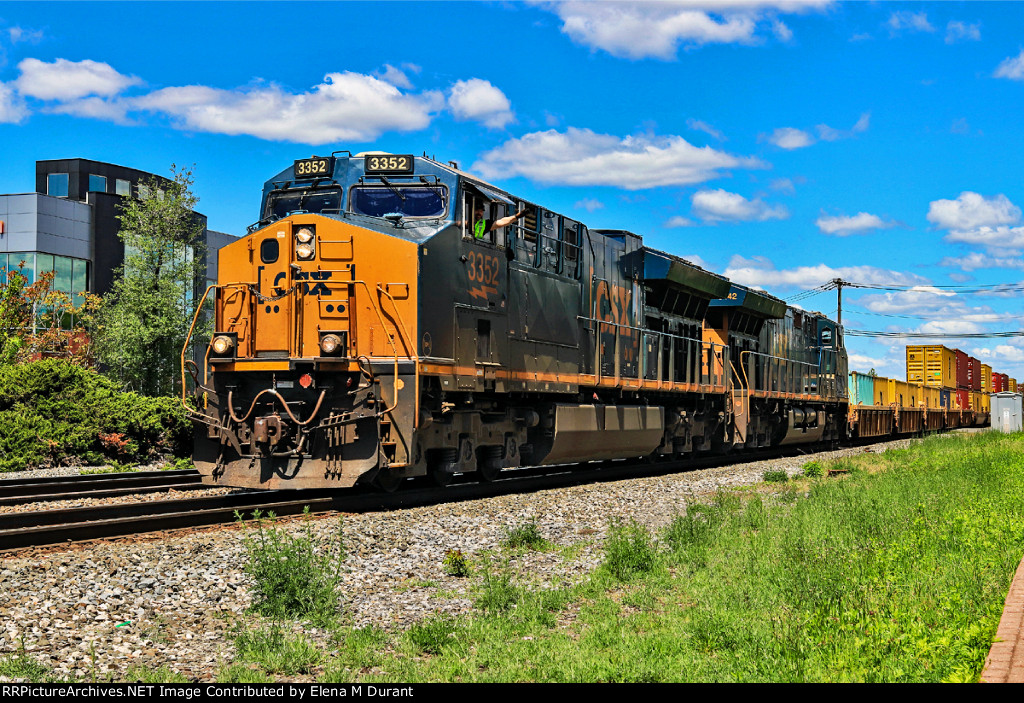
[963, 372]
[963, 399]
[1000, 382]
[974, 373]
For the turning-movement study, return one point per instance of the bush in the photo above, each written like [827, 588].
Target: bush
[778, 476]
[525, 535]
[455, 563]
[813, 469]
[290, 580]
[629, 550]
[433, 634]
[54, 412]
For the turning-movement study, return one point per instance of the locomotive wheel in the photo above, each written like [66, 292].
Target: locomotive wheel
[443, 473]
[489, 461]
[489, 469]
[387, 479]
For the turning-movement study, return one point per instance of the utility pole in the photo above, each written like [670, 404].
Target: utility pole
[838, 283]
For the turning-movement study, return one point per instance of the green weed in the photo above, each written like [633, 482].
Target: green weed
[277, 652]
[526, 535]
[629, 550]
[776, 476]
[455, 563]
[289, 578]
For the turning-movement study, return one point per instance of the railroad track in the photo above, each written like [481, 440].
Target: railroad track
[18, 491]
[38, 528]
[41, 528]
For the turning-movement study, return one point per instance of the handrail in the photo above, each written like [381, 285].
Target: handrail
[415, 357]
[714, 348]
[191, 329]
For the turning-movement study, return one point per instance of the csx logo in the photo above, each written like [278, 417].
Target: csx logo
[613, 306]
[306, 288]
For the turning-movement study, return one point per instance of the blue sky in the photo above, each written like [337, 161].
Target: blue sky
[782, 144]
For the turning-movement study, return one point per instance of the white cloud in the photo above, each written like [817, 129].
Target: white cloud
[394, 76]
[909, 21]
[759, 271]
[993, 238]
[790, 138]
[589, 204]
[843, 225]
[1012, 68]
[20, 34]
[69, 80]
[478, 100]
[955, 31]
[971, 210]
[721, 206]
[705, 127]
[679, 221]
[94, 108]
[12, 107]
[582, 157]
[696, 261]
[662, 27]
[345, 107]
[976, 260]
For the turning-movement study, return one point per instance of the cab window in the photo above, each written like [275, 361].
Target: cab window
[410, 201]
[281, 203]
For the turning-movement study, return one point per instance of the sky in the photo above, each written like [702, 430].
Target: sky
[782, 144]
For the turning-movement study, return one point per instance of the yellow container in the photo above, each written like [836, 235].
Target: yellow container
[932, 365]
[903, 394]
[881, 394]
[986, 378]
[1013, 385]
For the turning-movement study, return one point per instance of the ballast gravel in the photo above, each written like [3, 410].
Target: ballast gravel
[90, 612]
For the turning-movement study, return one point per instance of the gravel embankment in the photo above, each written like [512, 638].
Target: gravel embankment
[95, 610]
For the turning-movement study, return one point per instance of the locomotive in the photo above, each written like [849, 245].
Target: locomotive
[372, 327]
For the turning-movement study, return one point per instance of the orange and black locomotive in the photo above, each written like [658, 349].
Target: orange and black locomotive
[391, 316]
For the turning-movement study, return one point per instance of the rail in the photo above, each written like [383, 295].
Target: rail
[781, 375]
[681, 360]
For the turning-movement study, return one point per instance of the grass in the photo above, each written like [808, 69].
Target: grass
[290, 579]
[894, 570]
[524, 536]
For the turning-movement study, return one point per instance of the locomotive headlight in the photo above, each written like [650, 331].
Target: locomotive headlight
[304, 235]
[222, 345]
[329, 343]
[304, 251]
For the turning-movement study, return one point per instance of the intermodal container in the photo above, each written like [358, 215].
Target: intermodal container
[973, 374]
[1004, 384]
[963, 399]
[931, 365]
[986, 378]
[946, 398]
[862, 389]
[1013, 385]
[903, 393]
[932, 397]
[997, 382]
[880, 390]
[963, 370]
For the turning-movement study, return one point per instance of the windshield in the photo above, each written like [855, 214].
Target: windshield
[411, 201]
[322, 200]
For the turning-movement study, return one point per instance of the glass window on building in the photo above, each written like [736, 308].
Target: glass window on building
[79, 281]
[44, 263]
[143, 192]
[57, 184]
[97, 183]
[14, 260]
[62, 274]
[122, 187]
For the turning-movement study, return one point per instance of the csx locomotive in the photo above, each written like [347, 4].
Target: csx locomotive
[366, 331]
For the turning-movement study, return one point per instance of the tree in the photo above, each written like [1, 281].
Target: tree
[146, 316]
[35, 320]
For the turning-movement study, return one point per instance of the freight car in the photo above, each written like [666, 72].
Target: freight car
[376, 325]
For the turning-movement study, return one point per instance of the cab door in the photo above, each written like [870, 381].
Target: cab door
[274, 304]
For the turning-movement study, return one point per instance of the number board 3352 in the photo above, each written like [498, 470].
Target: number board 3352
[316, 167]
[389, 163]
